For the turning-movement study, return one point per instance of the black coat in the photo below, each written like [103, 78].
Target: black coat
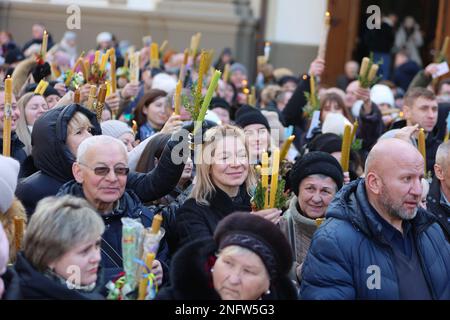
[192, 280]
[129, 207]
[434, 206]
[12, 285]
[197, 221]
[54, 160]
[37, 286]
[17, 151]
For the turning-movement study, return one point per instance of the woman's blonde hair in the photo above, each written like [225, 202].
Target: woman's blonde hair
[58, 225]
[204, 187]
[22, 130]
[78, 121]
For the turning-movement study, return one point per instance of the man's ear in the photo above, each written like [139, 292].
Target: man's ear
[373, 183]
[77, 172]
[406, 112]
[438, 172]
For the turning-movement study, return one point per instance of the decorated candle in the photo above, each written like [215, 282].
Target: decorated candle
[345, 149]
[7, 118]
[324, 37]
[422, 148]
[265, 177]
[274, 177]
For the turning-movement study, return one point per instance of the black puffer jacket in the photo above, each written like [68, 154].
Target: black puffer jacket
[37, 286]
[197, 221]
[12, 285]
[129, 206]
[51, 155]
[17, 151]
[54, 160]
[441, 212]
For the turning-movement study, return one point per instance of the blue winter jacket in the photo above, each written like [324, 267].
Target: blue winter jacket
[350, 259]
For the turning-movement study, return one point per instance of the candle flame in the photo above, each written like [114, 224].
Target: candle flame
[246, 91]
[244, 83]
[327, 13]
[267, 43]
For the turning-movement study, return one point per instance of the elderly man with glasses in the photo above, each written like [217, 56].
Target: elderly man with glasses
[100, 173]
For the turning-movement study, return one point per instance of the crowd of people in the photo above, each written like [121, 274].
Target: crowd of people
[75, 176]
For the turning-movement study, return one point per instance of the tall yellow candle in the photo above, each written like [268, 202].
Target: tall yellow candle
[163, 46]
[274, 178]
[324, 37]
[44, 44]
[364, 66]
[183, 66]
[422, 147]
[265, 177]
[91, 97]
[143, 283]
[285, 147]
[177, 98]
[97, 55]
[373, 72]
[226, 72]
[7, 118]
[207, 100]
[312, 85]
[112, 59]
[105, 57]
[355, 127]
[345, 149]
[154, 55]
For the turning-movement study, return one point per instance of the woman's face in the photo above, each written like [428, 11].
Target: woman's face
[128, 140]
[34, 109]
[74, 139]
[187, 172]
[330, 106]
[258, 140]
[230, 166]
[52, 100]
[156, 112]
[315, 194]
[80, 264]
[240, 274]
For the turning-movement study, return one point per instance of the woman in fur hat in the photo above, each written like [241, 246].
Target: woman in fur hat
[248, 259]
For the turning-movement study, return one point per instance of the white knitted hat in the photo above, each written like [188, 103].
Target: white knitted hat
[9, 171]
[115, 128]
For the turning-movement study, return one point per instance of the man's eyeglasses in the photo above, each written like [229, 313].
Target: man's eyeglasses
[104, 171]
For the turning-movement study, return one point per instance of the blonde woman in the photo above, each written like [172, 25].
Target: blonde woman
[224, 180]
[61, 255]
[31, 106]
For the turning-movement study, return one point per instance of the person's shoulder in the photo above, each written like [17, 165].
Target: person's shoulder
[339, 232]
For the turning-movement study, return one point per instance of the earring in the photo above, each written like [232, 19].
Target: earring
[212, 270]
[268, 291]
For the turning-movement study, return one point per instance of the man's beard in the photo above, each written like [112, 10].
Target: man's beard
[395, 210]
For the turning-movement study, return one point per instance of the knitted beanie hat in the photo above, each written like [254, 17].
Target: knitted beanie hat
[115, 128]
[8, 181]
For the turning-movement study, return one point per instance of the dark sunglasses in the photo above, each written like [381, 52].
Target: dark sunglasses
[104, 171]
